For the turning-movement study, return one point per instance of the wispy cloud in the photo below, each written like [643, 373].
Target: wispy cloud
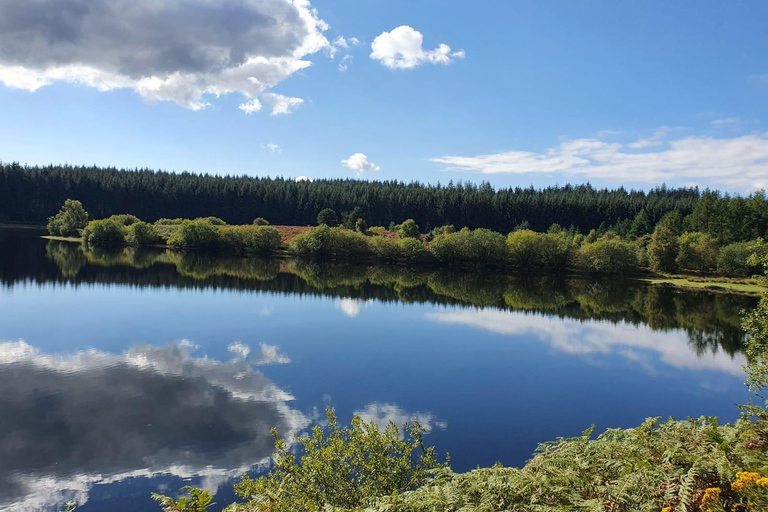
[738, 162]
[634, 343]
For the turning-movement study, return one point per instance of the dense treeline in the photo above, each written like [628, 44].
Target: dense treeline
[32, 194]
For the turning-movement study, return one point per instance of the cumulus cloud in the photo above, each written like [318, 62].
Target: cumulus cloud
[250, 106]
[274, 148]
[381, 414]
[304, 178]
[589, 338]
[359, 162]
[402, 48]
[269, 354]
[281, 104]
[147, 412]
[740, 162]
[165, 50]
[352, 307]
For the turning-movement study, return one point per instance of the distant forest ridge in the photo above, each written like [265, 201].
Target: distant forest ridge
[32, 194]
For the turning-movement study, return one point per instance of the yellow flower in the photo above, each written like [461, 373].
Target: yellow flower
[711, 496]
[762, 482]
[666, 509]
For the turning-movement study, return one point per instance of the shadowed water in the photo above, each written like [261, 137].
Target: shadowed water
[129, 371]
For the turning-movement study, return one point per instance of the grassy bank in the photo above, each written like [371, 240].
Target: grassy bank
[713, 285]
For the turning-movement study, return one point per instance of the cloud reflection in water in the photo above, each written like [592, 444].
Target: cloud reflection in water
[592, 337]
[70, 422]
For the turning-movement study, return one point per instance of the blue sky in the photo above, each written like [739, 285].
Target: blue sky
[530, 92]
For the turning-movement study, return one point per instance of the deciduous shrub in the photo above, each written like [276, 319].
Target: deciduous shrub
[698, 251]
[404, 249]
[169, 222]
[408, 229]
[734, 260]
[70, 220]
[104, 231]
[528, 249]
[324, 241]
[141, 233]
[479, 246]
[196, 234]
[260, 221]
[608, 255]
[255, 239]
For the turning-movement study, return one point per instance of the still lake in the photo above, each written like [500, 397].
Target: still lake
[125, 372]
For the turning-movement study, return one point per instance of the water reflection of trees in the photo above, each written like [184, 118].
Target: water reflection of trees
[712, 321]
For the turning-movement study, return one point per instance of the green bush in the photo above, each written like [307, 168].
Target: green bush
[608, 255]
[254, 239]
[342, 467]
[528, 249]
[404, 249]
[104, 231]
[196, 234]
[215, 221]
[408, 229]
[70, 220]
[324, 241]
[440, 230]
[698, 251]
[478, 246]
[734, 260]
[169, 222]
[141, 233]
[260, 221]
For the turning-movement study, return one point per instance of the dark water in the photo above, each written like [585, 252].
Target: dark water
[125, 372]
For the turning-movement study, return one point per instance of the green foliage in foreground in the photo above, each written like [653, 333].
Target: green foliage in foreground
[344, 467]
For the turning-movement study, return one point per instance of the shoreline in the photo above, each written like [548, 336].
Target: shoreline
[690, 282]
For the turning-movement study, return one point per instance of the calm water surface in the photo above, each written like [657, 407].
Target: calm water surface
[126, 372]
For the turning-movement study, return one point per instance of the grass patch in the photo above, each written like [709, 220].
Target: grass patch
[712, 285]
[62, 238]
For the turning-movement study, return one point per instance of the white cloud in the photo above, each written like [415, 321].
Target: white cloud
[274, 148]
[165, 50]
[352, 307]
[251, 106]
[359, 162]
[269, 354]
[239, 349]
[345, 62]
[588, 338]
[281, 104]
[381, 414]
[304, 178]
[740, 162]
[402, 48]
[728, 121]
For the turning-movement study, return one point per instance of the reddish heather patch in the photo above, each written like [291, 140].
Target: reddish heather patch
[288, 232]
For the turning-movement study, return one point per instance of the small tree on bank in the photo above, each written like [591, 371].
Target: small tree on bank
[328, 217]
[70, 220]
